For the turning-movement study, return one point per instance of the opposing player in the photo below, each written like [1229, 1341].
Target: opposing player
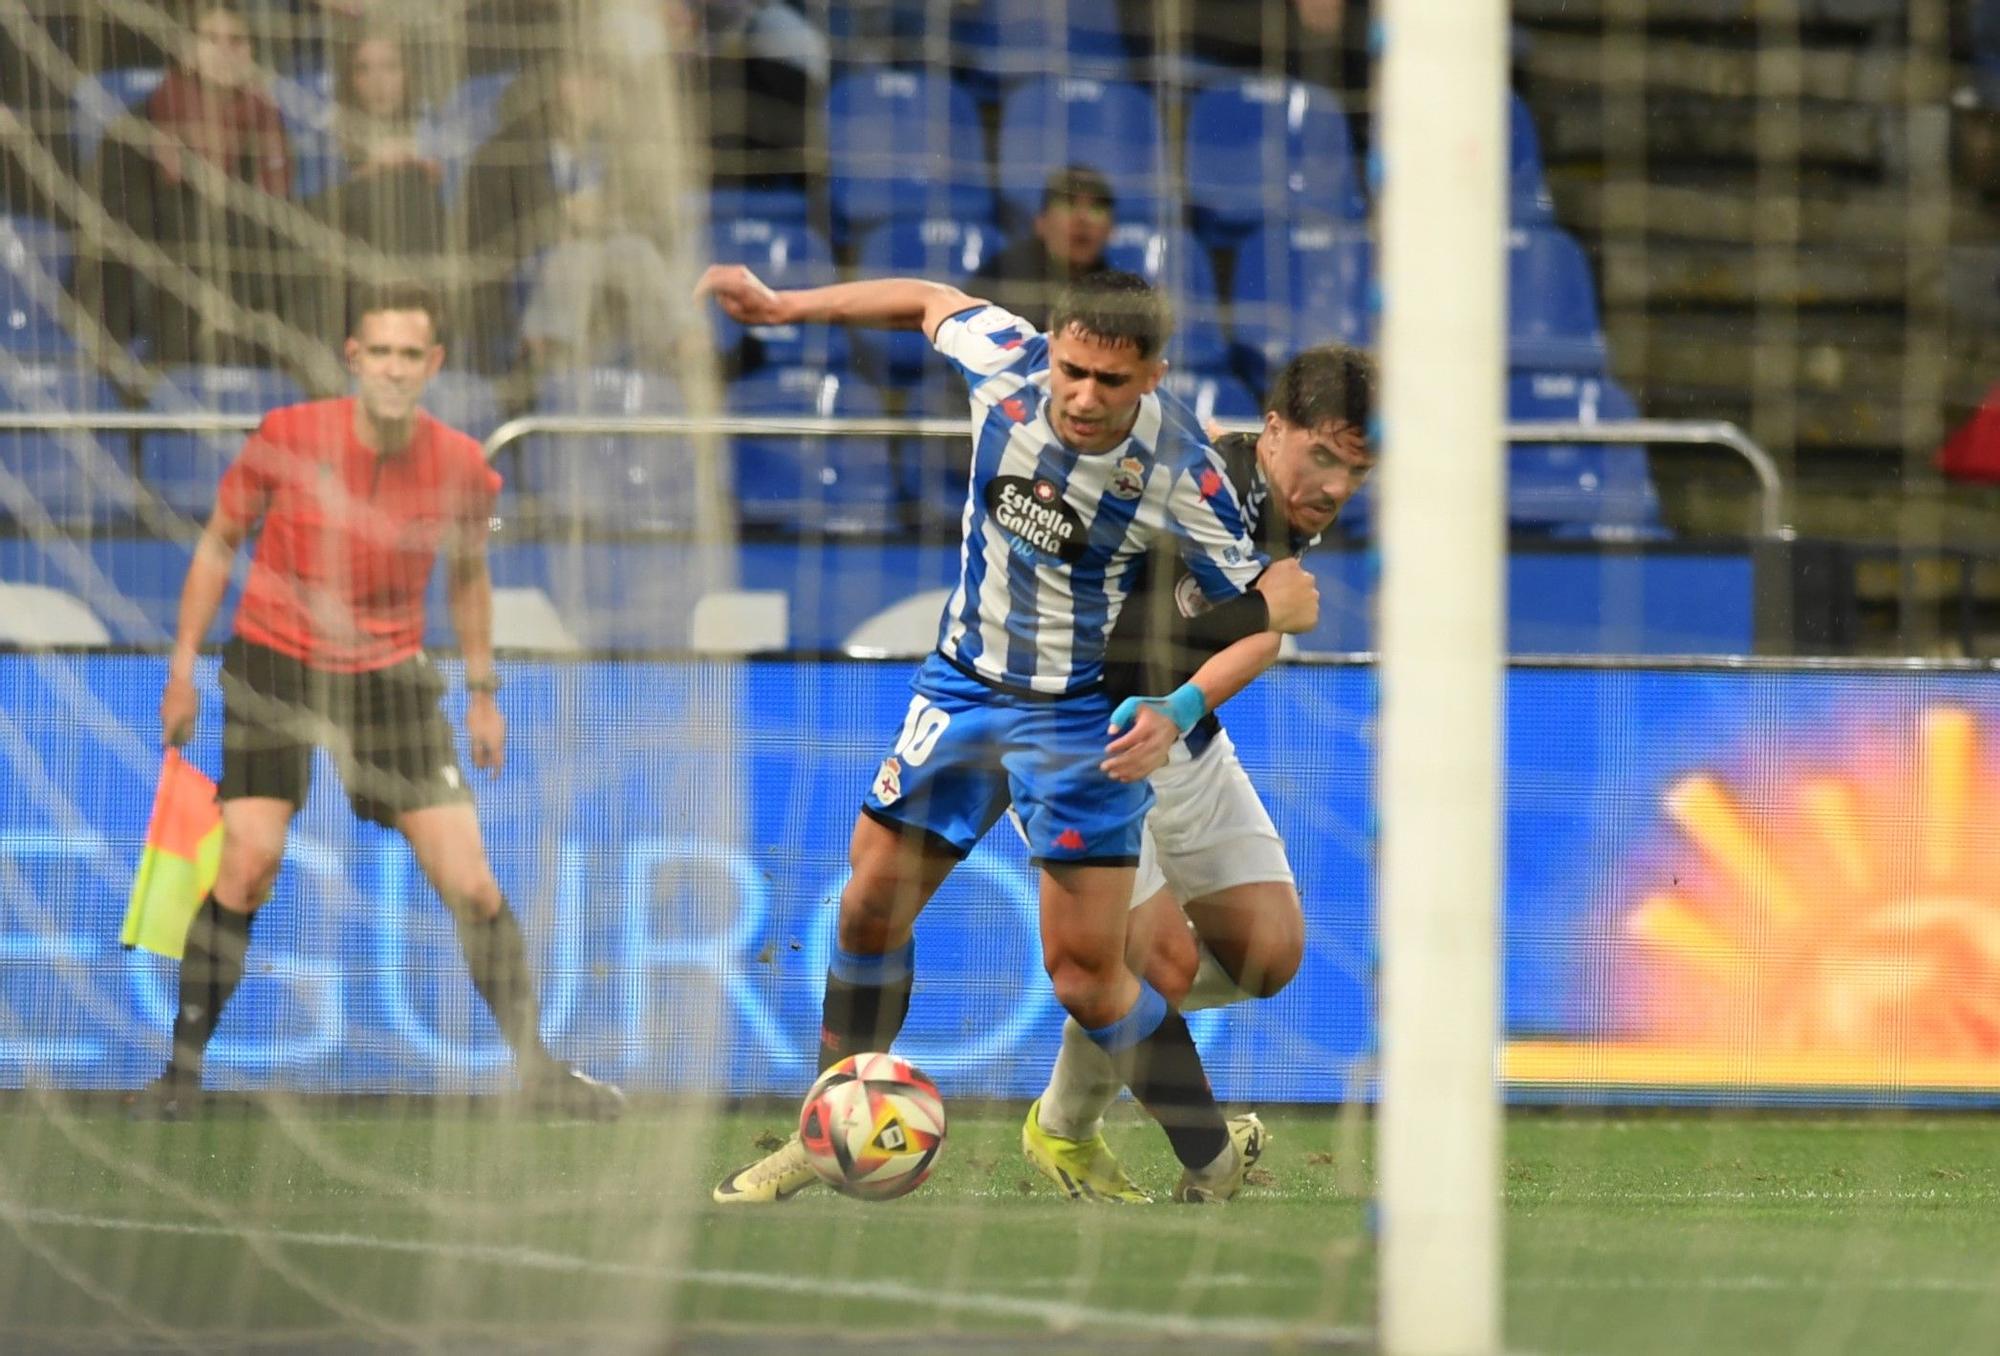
[1077, 469]
[351, 500]
[1216, 916]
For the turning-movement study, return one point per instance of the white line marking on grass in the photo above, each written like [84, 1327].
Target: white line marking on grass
[1816, 1195]
[1946, 1285]
[1056, 1315]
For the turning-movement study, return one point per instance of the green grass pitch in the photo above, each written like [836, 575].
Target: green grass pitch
[323, 1228]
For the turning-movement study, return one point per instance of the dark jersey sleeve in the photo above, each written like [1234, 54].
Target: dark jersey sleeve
[1166, 629]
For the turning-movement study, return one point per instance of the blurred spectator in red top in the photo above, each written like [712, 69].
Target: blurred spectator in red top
[213, 104]
[204, 180]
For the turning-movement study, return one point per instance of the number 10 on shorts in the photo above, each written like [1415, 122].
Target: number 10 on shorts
[921, 730]
[923, 726]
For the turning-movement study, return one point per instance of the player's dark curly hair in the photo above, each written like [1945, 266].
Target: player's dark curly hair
[1115, 308]
[1330, 384]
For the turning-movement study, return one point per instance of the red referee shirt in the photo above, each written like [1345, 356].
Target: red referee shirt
[348, 537]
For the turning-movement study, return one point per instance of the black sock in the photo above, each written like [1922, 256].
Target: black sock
[497, 956]
[1153, 1050]
[867, 998]
[211, 968]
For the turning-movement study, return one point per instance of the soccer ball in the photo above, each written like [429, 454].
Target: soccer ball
[872, 1126]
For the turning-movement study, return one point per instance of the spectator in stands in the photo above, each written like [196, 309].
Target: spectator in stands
[766, 69]
[386, 207]
[1323, 41]
[1070, 233]
[206, 185]
[32, 121]
[548, 201]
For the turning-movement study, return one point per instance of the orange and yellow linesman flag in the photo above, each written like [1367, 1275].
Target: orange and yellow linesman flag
[183, 853]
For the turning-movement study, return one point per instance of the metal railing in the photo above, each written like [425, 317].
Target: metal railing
[1771, 509]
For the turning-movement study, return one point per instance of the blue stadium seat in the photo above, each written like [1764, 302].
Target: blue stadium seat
[1051, 122]
[77, 478]
[812, 484]
[1004, 39]
[1552, 318]
[1219, 398]
[305, 104]
[1177, 264]
[904, 144]
[783, 254]
[937, 248]
[41, 240]
[1599, 491]
[100, 100]
[34, 267]
[1263, 150]
[621, 482]
[183, 469]
[1300, 285]
[729, 201]
[1528, 197]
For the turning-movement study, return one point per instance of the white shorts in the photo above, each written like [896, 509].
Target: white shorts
[1207, 830]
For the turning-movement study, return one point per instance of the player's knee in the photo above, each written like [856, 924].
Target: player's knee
[246, 877]
[473, 894]
[1171, 962]
[1275, 954]
[867, 919]
[1087, 992]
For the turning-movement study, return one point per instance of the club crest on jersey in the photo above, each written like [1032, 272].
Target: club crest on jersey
[1035, 517]
[1210, 482]
[1128, 478]
[1189, 598]
[888, 787]
[1015, 408]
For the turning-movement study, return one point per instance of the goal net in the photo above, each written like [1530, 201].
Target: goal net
[1743, 937]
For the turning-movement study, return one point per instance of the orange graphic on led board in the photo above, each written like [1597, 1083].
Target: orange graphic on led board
[1843, 931]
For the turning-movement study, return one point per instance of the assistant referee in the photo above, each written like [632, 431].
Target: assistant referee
[351, 500]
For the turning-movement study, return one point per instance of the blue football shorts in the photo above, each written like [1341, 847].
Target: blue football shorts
[966, 751]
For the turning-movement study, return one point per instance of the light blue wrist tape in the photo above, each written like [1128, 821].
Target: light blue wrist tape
[1183, 708]
[1187, 706]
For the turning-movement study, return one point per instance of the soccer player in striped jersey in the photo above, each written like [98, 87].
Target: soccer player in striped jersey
[1078, 469]
[1216, 916]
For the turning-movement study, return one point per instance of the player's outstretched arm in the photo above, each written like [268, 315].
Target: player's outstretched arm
[201, 599]
[873, 303]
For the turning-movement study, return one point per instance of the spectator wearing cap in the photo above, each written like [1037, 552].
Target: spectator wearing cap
[1070, 233]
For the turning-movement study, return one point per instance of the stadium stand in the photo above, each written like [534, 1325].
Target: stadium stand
[904, 144]
[1248, 135]
[1051, 121]
[1580, 490]
[934, 247]
[604, 481]
[183, 469]
[79, 479]
[811, 484]
[1552, 317]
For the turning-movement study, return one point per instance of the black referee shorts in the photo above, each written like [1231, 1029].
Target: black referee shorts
[384, 728]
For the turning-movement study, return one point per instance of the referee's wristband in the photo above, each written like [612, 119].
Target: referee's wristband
[489, 684]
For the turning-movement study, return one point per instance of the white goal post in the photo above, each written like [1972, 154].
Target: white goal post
[1441, 127]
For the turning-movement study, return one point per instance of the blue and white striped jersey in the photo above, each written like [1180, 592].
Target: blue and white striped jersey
[1054, 540]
